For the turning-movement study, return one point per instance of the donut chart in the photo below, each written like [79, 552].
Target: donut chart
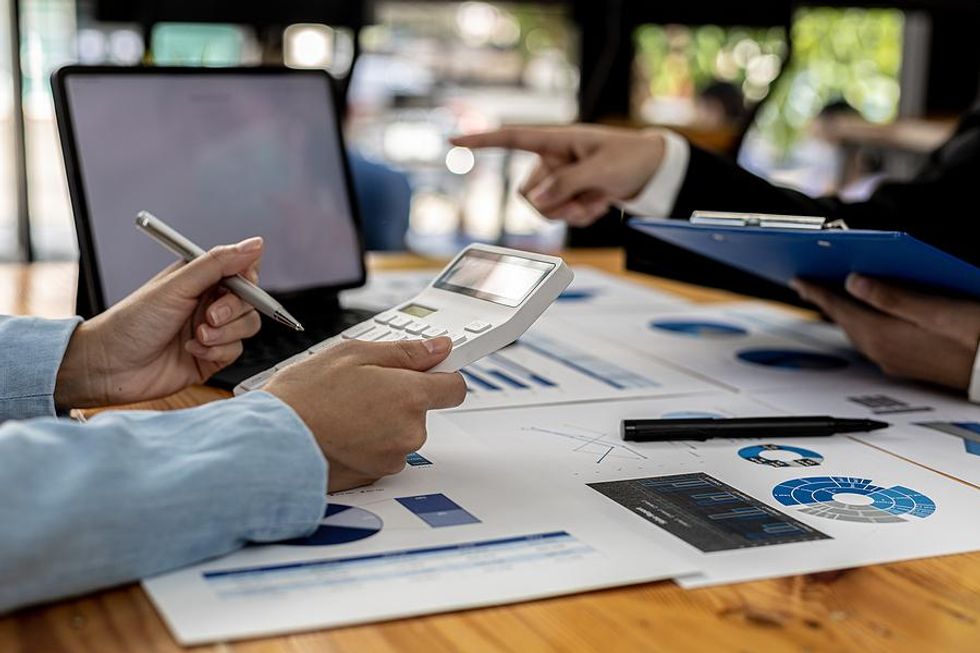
[341, 524]
[756, 454]
[853, 499]
[699, 328]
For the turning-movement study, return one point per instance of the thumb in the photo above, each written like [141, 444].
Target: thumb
[418, 355]
[204, 272]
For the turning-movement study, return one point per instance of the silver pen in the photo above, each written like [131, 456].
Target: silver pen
[183, 247]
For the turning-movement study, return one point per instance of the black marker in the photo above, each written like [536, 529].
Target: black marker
[662, 430]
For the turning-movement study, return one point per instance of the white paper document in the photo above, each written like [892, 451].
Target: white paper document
[528, 490]
[584, 442]
[738, 509]
[871, 507]
[457, 529]
[743, 346]
[594, 290]
[557, 362]
[934, 429]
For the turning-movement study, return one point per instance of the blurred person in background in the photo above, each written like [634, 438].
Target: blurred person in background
[585, 170]
[720, 104]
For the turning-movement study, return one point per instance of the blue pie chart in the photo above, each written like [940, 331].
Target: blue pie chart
[792, 359]
[833, 497]
[699, 329]
[341, 524]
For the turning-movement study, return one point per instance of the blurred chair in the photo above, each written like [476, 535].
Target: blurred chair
[384, 197]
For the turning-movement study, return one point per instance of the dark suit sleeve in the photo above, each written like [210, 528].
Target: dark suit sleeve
[939, 205]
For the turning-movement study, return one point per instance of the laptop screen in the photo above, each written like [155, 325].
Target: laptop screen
[220, 157]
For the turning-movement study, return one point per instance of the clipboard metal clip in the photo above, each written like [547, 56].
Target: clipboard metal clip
[766, 220]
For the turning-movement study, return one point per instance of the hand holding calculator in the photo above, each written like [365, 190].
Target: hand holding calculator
[485, 299]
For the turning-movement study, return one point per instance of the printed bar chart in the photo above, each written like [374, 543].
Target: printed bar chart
[585, 363]
[437, 510]
[706, 513]
[479, 556]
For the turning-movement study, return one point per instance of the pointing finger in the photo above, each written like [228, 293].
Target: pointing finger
[531, 139]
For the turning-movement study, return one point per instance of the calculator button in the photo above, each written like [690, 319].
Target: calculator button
[416, 328]
[385, 318]
[477, 326]
[434, 332]
[393, 336]
[357, 330]
[400, 322]
[457, 338]
[376, 334]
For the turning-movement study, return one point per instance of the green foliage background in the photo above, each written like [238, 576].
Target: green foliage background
[838, 54]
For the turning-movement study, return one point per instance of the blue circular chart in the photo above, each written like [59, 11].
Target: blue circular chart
[341, 524]
[792, 359]
[848, 498]
[699, 329]
[755, 454]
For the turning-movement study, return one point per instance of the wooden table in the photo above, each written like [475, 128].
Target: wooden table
[923, 605]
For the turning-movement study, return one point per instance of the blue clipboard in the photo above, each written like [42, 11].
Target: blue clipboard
[825, 256]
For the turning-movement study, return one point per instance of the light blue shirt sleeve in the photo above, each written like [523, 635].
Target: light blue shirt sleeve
[31, 350]
[132, 494]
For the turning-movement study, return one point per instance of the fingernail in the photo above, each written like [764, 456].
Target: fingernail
[437, 345]
[249, 245]
[206, 334]
[857, 285]
[220, 314]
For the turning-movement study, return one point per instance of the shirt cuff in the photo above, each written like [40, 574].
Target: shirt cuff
[974, 392]
[31, 352]
[657, 198]
[290, 499]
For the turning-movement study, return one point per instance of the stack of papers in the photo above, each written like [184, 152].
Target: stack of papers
[527, 490]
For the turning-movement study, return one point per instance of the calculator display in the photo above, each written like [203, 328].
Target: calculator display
[498, 278]
[415, 310]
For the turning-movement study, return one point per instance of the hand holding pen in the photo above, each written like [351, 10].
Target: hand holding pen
[183, 247]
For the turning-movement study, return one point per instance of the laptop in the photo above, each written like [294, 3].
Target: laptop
[221, 154]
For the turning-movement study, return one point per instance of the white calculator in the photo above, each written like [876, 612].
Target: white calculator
[485, 299]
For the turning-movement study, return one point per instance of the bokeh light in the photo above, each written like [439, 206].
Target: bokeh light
[460, 160]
